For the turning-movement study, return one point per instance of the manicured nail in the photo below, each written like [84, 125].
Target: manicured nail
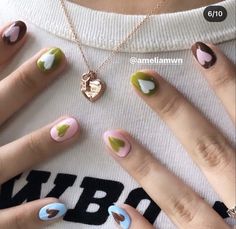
[52, 211]
[64, 130]
[14, 33]
[204, 54]
[50, 60]
[144, 82]
[120, 216]
[117, 143]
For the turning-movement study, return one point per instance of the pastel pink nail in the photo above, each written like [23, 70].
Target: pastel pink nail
[64, 130]
[117, 143]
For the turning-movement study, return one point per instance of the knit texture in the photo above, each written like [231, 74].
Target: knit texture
[164, 36]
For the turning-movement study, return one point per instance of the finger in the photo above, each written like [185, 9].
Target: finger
[32, 215]
[219, 72]
[128, 218]
[29, 79]
[13, 36]
[184, 207]
[36, 147]
[206, 145]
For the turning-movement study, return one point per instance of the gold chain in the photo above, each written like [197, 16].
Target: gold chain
[115, 49]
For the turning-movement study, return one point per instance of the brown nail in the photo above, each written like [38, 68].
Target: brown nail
[14, 33]
[204, 54]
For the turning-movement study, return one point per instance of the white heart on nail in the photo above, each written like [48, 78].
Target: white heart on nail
[146, 86]
[47, 60]
[203, 57]
[13, 33]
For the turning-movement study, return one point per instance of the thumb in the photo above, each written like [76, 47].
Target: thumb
[32, 215]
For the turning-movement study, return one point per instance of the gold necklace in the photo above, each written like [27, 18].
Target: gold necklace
[91, 86]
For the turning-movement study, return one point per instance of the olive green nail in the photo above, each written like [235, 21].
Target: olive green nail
[144, 82]
[50, 60]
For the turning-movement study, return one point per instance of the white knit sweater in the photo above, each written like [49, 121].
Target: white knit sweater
[164, 36]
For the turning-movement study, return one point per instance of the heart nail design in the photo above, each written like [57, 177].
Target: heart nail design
[144, 82]
[61, 130]
[64, 130]
[120, 216]
[52, 211]
[14, 33]
[204, 54]
[117, 143]
[146, 86]
[50, 60]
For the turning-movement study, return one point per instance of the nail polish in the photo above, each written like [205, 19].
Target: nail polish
[204, 54]
[64, 130]
[144, 82]
[50, 60]
[120, 216]
[52, 211]
[117, 143]
[14, 33]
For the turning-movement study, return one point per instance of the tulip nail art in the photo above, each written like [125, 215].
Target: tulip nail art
[14, 33]
[120, 216]
[64, 130]
[144, 83]
[117, 143]
[52, 211]
[50, 60]
[204, 54]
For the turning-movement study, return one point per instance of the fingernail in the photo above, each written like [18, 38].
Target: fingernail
[120, 216]
[204, 54]
[14, 33]
[50, 60]
[117, 143]
[64, 130]
[52, 211]
[144, 82]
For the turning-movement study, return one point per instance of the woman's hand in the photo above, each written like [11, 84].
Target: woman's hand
[204, 143]
[15, 91]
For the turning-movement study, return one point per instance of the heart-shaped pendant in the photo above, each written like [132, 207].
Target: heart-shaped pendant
[92, 87]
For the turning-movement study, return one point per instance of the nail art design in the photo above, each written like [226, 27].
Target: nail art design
[120, 216]
[204, 54]
[64, 130]
[52, 211]
[144, 83]
[117, 143]
[50, 60]
[14, 33]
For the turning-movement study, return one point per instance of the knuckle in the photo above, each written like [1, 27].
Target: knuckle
[25, 81]
[170, 105]
[19, 221]
[212, 151]
[223, 79]
[182, 208]
[35, 147]
[143, 168]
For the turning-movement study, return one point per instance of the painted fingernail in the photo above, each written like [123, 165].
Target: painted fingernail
[120, 216]
[64, 130]
[50, 60]
[117, 143]
[144, 82]
[14, 33]
[204, 54]
[52, 211]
